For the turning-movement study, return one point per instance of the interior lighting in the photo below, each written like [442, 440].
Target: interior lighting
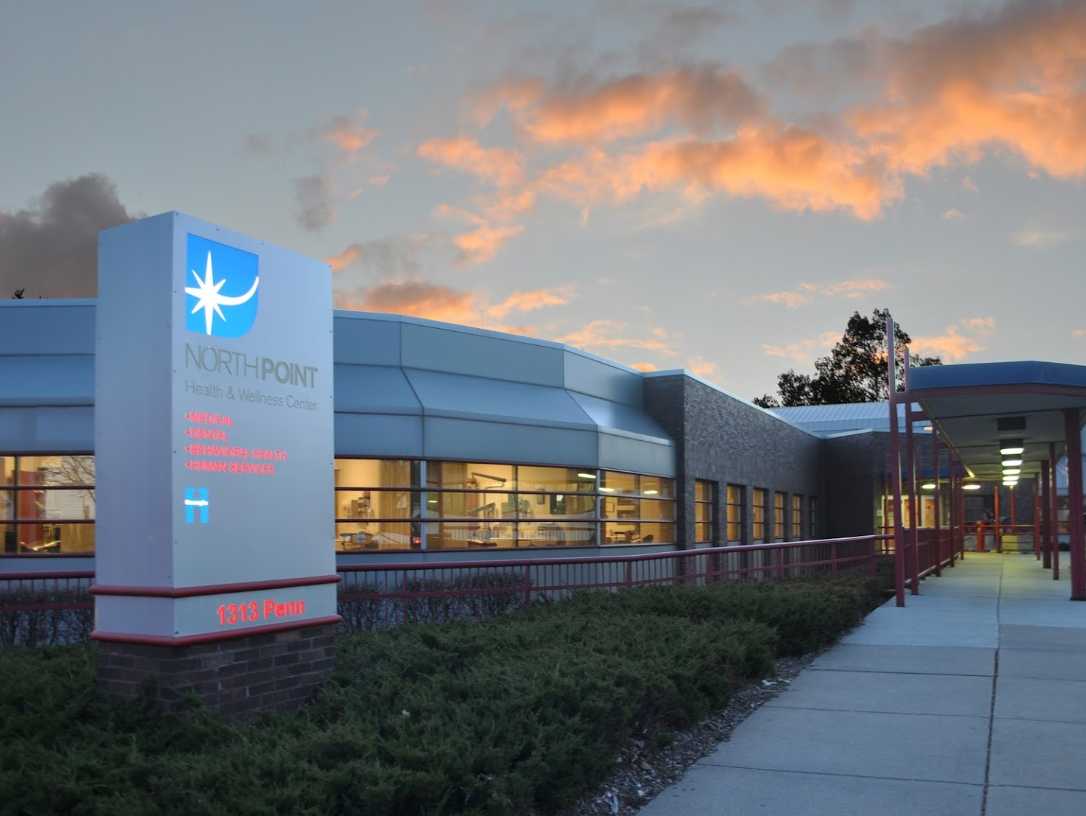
[607, 490]
[650, 492]
[971, 486]
[586, 475]
[928, 486]
[1012, 471]
[1013, 450]
[1012, 462]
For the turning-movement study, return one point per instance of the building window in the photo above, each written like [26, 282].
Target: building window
[812, 517]
[377, 505]
[47, 505]
[778, 517]
[758, 519]
[636, 509]
[797, 517]
[704, 512]
[734, 511]
[439, 505]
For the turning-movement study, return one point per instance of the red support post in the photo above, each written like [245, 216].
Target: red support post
[938, 504]
[895, 465]
[1073, 434]
[1046, 545]
[910, 475]
[1037, 520]
[998, 519]
[1054, 498]
[952, 508]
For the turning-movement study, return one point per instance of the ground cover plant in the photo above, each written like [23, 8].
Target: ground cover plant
[516, 715]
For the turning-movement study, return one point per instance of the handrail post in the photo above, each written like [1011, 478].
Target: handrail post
[833, 557]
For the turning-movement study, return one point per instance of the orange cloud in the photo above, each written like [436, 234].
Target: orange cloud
[698, 97]
[529, 301]
[493, 164]
[702, 367]
[952, 346]
[345, 258]
[795, 168]
[643, 366]
[803, 351]
[347, 134]
[852, 289]
[980, 324]
[482, 243]
[608, 334]
[418, 299]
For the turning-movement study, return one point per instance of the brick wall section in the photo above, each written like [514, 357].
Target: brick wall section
[728, 441]
[239, 677]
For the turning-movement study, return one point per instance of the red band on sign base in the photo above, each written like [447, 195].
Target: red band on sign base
[209, 589]
[211, 637]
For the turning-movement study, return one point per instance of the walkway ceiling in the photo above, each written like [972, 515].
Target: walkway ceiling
[980, 407]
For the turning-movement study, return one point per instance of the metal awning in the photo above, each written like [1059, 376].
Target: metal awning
[978, 407]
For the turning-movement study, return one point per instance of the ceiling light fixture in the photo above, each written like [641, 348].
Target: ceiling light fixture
[1012, 462]
[928, 486]
[1013, 450]
[971, 486]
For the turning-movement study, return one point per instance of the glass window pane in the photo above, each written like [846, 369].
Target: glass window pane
[49, 539]
[365, 536]
[376, 504]
[654, 533]
[701, 512]
[469, 535]
[7, 502]
[374, 472]
[658, 486]
[470, 476]
[613, 482]
[621, 532]
[550, 534]
[52, 471]
[702, 491]
[557, 505]
[61, 504]
[7, 470]
[654, 510]
[556, 480]
[620, 507]
[734, 532]
[703, 532]
[481, 506]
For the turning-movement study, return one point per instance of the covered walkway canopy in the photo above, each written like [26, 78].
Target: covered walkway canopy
[1003, 421]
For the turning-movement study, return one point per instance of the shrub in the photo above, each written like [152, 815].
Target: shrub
[521, 714]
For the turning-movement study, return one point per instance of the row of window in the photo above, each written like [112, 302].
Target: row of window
[399, 504]
[705, 503]
[47, 506]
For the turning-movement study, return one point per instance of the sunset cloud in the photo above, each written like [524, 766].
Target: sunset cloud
[794, 168]
[951, 347]
[699, 98]
[851, 289]
[493, 164]
[482, 243]
[702, 367]
[643, 366]
[348, 134]
[351, 254]
[612, 334]
[805, 350]
[530, 301]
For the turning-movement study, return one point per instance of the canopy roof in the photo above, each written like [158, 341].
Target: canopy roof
[980, 407]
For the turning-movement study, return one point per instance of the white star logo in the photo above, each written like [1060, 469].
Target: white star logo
[208, 298]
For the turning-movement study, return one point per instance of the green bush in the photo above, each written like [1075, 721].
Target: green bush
[521, 714]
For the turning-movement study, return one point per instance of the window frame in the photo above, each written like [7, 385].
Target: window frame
[759, 518]
[780, 529]
[11, 522]
[740, 510]
[710, 505]
[795, 520]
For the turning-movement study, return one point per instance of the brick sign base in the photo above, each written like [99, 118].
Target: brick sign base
[239, 677]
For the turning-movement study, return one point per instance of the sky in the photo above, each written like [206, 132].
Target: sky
[710, 186]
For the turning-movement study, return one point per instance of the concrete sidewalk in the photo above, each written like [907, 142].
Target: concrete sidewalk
[971, 700]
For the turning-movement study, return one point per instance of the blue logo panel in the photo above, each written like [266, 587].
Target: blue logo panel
[221, 288]
[196, 505]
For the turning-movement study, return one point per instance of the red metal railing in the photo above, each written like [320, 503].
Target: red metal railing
[378, 594]
[40, 608]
